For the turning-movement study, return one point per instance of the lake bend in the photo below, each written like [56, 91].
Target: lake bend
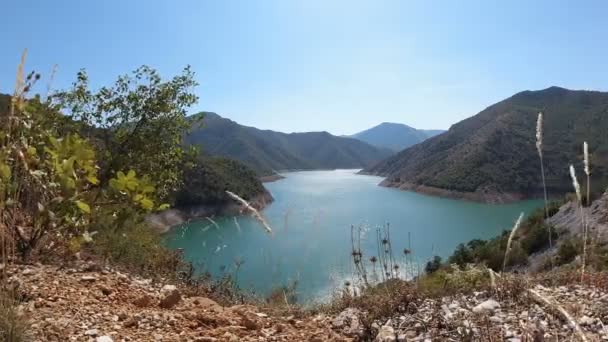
[311, 218]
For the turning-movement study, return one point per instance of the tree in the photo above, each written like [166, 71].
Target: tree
[433, 265]
[138, 123]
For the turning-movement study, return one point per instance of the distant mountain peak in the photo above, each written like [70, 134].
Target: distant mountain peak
[394, 136]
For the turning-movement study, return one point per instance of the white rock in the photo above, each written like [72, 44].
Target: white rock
[92, 332]
[488, 305]
[386, 334]
[87, 278]
[104, 339]
[168, 289]
[586, 320]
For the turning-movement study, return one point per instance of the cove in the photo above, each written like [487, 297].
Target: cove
[311, 218]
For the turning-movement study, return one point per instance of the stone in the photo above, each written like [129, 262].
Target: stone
[207, 304]
[143, 301]
[348, 321]
[104, 338]
[586, 320]
[91, 332]
[487, 306]
[386, 334]
[88, 278]
[170, 300]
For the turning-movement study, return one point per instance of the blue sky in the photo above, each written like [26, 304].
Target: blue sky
[339, 66]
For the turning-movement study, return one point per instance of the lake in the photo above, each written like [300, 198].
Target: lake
[311, 218]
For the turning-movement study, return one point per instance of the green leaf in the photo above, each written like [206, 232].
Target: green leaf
[93, 180]
[83, 207]
[163, 206]
[5, 171]
[146, 204]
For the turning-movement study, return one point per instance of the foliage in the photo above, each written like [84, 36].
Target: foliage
[531, 238]
[567, 252]
[139, 122]
[433, 265]
[135, 246]
[207, 179]
[70, 177]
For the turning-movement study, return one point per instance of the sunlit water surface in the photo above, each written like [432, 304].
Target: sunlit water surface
[312, 216]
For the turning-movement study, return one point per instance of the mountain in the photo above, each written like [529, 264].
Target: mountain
[394, 136]
[267, 151]
[492, 156]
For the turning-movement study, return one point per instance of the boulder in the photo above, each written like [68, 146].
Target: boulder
[386, 334]
[348, 321]
[170, 296]
[488, 306]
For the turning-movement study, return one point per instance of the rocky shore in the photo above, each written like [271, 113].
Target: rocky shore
[163, 221]
[484, 196]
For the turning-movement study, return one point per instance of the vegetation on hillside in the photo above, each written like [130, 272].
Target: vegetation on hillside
[494, 151]
[85, 175]
[206, 182]
[268, 151]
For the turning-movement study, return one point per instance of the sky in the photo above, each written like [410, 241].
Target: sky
[319, 65]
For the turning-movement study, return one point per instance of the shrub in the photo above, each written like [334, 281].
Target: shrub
[566, 252]
[433, 265]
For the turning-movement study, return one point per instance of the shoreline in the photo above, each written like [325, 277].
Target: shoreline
[489, 197]
[165, 220]
[271, 178]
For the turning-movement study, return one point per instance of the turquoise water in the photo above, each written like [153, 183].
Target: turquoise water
[311, 218]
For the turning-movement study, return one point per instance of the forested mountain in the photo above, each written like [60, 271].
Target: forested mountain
[394, 136]
[267, 151]
[492, 156]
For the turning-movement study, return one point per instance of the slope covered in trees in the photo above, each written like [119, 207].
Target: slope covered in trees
[492, 156]
[267, 151]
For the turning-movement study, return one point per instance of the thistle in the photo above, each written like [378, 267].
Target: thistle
[513, 231]
[577, 189]
[539, 148]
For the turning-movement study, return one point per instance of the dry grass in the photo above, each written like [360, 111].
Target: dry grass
[13, 326]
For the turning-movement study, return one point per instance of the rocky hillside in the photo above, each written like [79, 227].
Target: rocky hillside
[87, 302]
[394, 136]
[267, 151]
[492, 157]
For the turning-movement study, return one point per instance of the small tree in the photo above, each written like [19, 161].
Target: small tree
[138, 122]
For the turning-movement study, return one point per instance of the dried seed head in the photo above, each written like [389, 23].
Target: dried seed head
[513, 231]
[586, 158]
[539, 133]
[575, 184]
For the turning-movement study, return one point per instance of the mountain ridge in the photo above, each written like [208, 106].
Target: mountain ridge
[491, 156]
[268, 151]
